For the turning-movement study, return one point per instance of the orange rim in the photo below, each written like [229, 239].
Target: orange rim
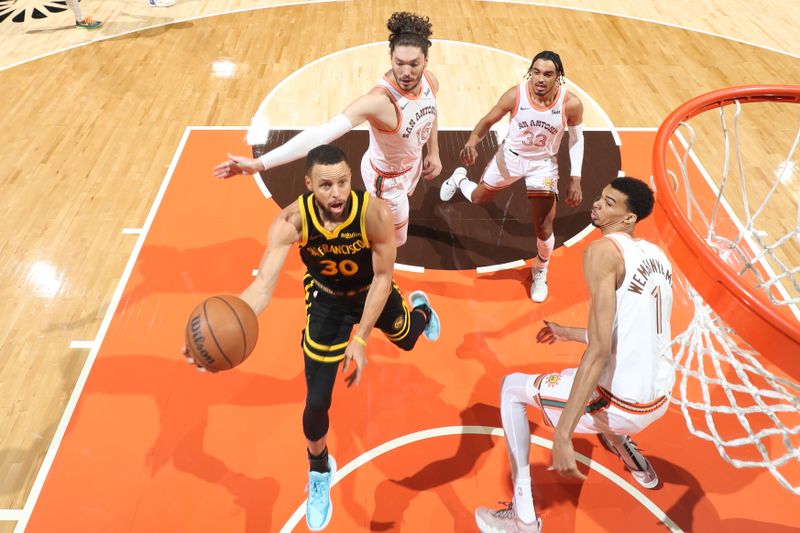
[712, 266]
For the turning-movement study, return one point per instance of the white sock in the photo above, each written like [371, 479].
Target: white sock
[466, 186]
[543, 251]
[76, 9]
[523, 499]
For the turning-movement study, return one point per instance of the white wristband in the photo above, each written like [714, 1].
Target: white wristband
[576, 149]
[305, 141]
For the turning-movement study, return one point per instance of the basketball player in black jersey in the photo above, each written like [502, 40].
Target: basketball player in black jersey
[346, 241]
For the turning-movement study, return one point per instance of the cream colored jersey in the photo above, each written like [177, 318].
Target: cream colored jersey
[393, 153]
[641, 369]
[535, 132]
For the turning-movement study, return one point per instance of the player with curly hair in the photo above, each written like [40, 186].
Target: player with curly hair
[400, 112]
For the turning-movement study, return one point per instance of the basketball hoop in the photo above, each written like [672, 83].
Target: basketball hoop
[733, 271]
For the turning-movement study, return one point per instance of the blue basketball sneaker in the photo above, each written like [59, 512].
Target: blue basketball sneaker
[319, 507]
[432, 328]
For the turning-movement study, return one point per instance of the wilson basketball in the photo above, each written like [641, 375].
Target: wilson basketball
[221, 332]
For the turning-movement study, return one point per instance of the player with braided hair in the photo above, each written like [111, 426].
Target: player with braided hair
[400, 112]
[541, 108]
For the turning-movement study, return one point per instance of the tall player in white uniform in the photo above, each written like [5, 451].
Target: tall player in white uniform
[625, 375]
[400, 112]
[541, 108]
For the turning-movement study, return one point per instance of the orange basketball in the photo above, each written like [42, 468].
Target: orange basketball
[221, 332]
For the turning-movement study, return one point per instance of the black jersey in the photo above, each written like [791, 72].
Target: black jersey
[340, 261]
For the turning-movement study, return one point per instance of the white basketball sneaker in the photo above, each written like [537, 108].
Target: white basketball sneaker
[636, 463]
[504, 521]
[161, 3]
[450, 185]
[539, 288]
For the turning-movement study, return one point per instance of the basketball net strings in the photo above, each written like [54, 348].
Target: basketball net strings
[725, 394]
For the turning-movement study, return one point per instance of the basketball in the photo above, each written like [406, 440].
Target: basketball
[221, 332]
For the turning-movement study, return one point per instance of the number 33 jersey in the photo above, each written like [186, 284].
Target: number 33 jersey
[535, 132]
[339, 260]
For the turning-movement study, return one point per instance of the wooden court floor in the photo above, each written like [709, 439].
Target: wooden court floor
[89, 135]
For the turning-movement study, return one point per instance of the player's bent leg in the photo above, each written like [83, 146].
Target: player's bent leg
[623, 447]
[482, 194]
[421, 304]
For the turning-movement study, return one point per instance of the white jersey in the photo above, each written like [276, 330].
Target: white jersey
[392, 153]
[535, 132]
[641, 369]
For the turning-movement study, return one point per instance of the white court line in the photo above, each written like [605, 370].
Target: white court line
[399, 442]
[255, 272]
[58, 436]
[168, 23]
[131, 231]
[11, 515]
[82, 345]
[642, 19]
[262, 186]
[620, 173]
[502, 266]
[409, 268]
[750, 241]
[579, 236]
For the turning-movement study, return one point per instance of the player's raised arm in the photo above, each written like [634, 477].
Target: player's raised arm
[356, 113]
[503, 106]
[600, 265]
[574, 111]
[284, 232]
[380, 234]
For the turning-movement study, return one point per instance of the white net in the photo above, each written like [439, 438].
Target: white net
[748, 212]
[729, 398]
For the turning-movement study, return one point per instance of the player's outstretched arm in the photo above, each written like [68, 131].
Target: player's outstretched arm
[600, 264]
[503, 106]
[380, 234]
[298, 146]
[574, 112]
[285, 231]
[552, 333]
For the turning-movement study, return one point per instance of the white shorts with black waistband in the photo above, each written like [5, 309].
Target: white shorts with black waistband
[507, 167]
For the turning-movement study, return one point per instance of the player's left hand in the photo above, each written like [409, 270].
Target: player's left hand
[354, 352]
[564, 459]
[191, 361]
[574, 193]
[431, 167]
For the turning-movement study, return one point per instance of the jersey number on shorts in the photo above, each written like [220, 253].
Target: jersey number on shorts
[345, 267]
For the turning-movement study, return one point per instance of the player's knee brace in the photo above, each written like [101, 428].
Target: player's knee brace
[315, 423]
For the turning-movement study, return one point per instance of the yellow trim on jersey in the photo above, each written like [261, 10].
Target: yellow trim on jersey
[304, 230]
[364, 221]
[321, 227]
[322, 347]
